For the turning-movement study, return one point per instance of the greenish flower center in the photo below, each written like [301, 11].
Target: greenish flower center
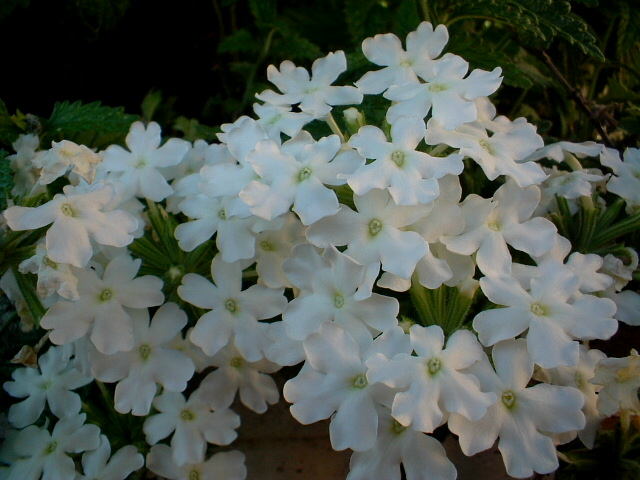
[67, 210]
[142, 162]
[187, 415]
[437, 87]
[49, 263]
[338, 300]
[397, 427]
[434, 365]
[398, 158]
[304, 173]
[231, 305]
[360, 381]
[266, 246]
[145, 351]
[236, 362]
[194, 475]
[508, 399]
[51, 448]
[537, 309]
[375, 227]
[222, 214]
[106, 295]
[486, 146]
[47, 385]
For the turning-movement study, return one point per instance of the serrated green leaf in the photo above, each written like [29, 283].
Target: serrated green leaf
[6, 179]
[90, 124]
[239, 41]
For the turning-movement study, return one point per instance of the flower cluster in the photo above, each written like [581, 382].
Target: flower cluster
[295, 249]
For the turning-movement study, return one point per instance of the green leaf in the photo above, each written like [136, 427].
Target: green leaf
[90, 124]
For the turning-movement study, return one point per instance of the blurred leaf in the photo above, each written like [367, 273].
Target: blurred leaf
[239, 41]
[6, 179]
[264, 11]
[91, 124]
[365, 18]
[101, 15]
[9, 129]
[193, 130]
[150, 104]
[8, 6]
[406, 18]
[294, 46]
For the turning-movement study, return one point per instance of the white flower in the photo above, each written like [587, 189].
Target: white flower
[423, 46]
[579, 377]
[101, 306]
[51, 385]
[234, 313]
[315, 95]
[237, 375]
[559, 150]
[433, 381]
[52, 277]
[552, 322]
[447, 94]
[274, 244]
[234, 236]
[328, 286]
[410, 175]
[373, 234]
[521, 414]
[296, 174]
[626, 181]
[76, 218]
[150, 362]
[222, 465]
[277, 119]
[492, 224]
[620, 380]
[64, 156]
[333, 383]
[503, 153]
[192, 423]
[25, 176]
[99, 464]
[42, 453]
[421, 456]
[139, 168]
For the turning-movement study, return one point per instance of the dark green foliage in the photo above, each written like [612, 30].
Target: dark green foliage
[89, 124]
[6, 179]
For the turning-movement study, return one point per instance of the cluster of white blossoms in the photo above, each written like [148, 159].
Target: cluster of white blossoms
[313, 248]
